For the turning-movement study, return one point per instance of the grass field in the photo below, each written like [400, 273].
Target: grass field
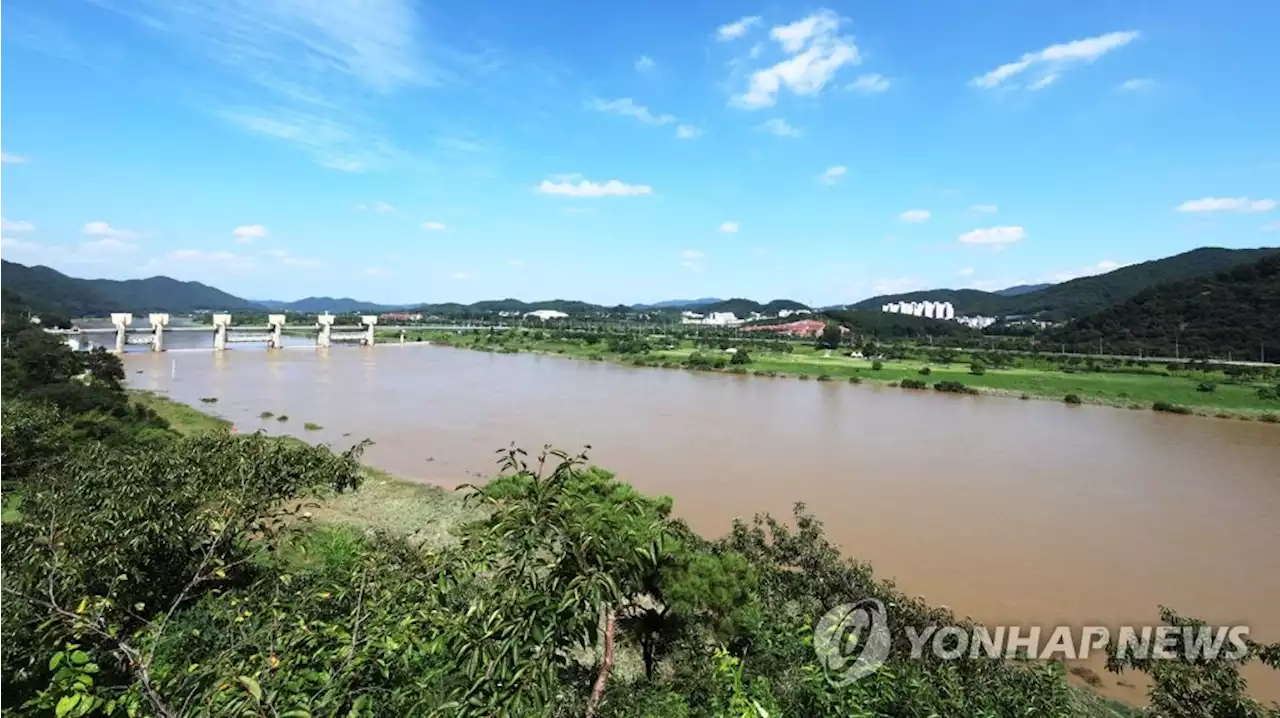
[1038, 379]
[427, 513]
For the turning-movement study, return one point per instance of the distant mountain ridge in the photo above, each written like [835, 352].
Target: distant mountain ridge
[340, 305]
[1086, 295]
[1234, 313]
[678, 303]
[43, 287]
[1022, 289]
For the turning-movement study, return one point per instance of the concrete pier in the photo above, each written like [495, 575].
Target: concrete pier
[325, 323]
[221, 322]
[122, 322]
[369, 321]
[158, 323]
[276, 323]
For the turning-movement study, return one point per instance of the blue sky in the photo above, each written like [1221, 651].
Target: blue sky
[432, 151]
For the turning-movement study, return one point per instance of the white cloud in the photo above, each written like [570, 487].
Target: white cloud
[377, 206]
[9, 225]
[644, 63]
[628, 108]
[1043, 82]
[995, 237]
[9, 159]
[108, 244]
[343, 164]
[983, 208]
[833, 174]
[1067, 275]
[317, 67]
[1227, 204]
[966, 272]
[691, 255]
[898, 285]
[102, 229]
[737, 29]
[585, 188]
[687, 132]
[13, 243]
[433, 226]
[1055, 58]
[246, 233]
[289, 260]
[729, 227]
[780, 128]
[1273, 227]
[870, 84]
[223, 260]
[1138, 84]
[915, 215]
[816, 52]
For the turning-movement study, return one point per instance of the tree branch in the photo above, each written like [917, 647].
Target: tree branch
[597, 691]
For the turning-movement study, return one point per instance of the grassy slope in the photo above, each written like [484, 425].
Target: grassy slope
[384, 502]
[1127, 390]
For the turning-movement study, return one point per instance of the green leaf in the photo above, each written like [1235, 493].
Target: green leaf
[66, 705]
[79, 658]
[251, 685]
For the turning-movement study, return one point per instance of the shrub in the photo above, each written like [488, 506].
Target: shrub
[877, 365]
[1170, 408]
[1025, 396]
[954, 387]
[1072, 399]
[265, 415]
[1270, 418]
[1267, 393]
[824, 377]
[1206, 386]
[805, 377]
[209, 399]
[925, 371]
[740, 357]
[855, 380]
[977, 368]
[913, 384]
[312, 426]
[282, 417]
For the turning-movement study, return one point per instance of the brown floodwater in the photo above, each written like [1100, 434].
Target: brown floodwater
[1024, 512]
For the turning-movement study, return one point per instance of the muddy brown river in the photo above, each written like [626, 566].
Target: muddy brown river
[1023, 512]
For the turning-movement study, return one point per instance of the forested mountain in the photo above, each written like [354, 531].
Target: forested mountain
[1022, 289]
[679, 304]
[342, 305]
[52, 291]
[1080, 297]
[744, 307]
[882, 325]
[1235, 312]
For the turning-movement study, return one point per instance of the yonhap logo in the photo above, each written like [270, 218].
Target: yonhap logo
[852, 640]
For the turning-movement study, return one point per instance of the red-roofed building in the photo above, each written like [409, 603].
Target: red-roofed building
[802, 328]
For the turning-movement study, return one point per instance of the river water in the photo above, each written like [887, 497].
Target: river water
[1024, 512]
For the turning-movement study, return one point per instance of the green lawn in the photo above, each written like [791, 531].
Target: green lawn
[1045, 381]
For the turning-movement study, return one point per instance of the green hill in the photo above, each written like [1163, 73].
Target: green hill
[1234, 313]
[51, 290]
[1084, 296]
[882, 325]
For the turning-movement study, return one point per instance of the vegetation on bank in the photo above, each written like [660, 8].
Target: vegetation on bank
[1237, 391]
[151, 571]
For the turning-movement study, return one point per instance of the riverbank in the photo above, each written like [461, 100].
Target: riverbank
[430, 516]
[1208, 392]
[426, 513]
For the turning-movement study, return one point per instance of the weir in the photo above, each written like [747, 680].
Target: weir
[224, 332]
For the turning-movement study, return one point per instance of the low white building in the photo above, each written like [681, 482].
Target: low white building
[545, 314]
